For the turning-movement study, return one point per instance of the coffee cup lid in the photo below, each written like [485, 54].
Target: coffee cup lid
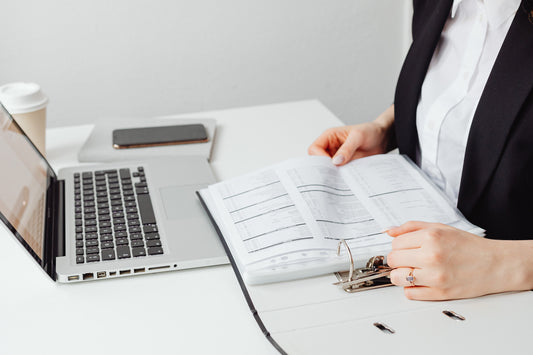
[22, 97]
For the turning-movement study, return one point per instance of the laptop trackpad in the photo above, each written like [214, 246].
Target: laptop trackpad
[180, 202]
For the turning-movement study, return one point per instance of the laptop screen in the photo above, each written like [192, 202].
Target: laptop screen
[23, 185]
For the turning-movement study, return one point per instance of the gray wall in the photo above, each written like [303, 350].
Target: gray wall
[144, 58]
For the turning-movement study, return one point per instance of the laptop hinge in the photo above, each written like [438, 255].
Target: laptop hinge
[54, 243]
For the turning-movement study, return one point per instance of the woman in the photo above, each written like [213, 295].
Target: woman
[463, 111]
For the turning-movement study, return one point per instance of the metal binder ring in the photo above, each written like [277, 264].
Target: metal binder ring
[411, 278]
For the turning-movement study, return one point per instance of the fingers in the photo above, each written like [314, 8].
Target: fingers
[408, 241]
[320, 145]
[405, 258]
[346, 151]
[399, 277]
[408, 227]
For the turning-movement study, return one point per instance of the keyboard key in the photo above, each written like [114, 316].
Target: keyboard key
[119, 227]
[80, 259]
[124, 173]
[103, 211]
[104, 224]
[108, 254]
[121, 234]
[141, 190]
[123, 252]
[79, 251]
[116, 203]
[91, 243]
[107, 245]
[129, 198]
[132, 216]
[79, 243]
[104, 217]
[90, 236]
[135, 229]
[138, 243]
[150, 228]
[155, 251]
[91, 229]
[106, 238]
[151, 236]
[153, 243]
[136, 236]
[134, 222]
[145, 209]
[93, 250]
[122, 241]
[93, 258]
[87, 175]
[79, 236]
[106, 231]
[139, 252]
[119, 221]
[140, 184]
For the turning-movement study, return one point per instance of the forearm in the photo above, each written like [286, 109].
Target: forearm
[386, 122]
[513, 264]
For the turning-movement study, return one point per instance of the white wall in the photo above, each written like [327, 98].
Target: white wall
[154, 57]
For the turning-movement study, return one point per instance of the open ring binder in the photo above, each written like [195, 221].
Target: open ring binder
[376, 273]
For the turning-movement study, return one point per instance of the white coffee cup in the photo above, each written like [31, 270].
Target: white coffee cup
[27, 104]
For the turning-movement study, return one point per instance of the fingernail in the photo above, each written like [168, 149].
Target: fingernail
[338, 159]
[389, 228]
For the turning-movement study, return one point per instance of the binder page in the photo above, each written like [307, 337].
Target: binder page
[293, 214]
[396, 191]
[262, 221]
[336, 210]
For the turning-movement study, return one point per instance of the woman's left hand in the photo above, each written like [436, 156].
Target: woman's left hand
[446, 263]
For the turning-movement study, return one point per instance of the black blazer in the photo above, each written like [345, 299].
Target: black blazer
[496, 191]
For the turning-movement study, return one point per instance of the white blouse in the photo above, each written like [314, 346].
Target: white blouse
[457, 74]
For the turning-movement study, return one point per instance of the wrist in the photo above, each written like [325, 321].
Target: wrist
[514, 258]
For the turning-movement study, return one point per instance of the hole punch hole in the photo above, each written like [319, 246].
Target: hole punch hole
[454, 315]
[384, 328]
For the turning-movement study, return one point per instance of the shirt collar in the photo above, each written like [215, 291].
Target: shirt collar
[497, 10]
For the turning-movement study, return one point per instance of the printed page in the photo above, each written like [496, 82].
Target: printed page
[261, 218]
[396, 191]
[295, 212]
[336, 210]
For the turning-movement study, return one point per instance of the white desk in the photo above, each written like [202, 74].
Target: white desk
[198, 311]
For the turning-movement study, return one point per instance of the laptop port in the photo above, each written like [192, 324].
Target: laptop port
[101, 274]
[125, 272]
[159, 267]
[136, 271]
[112, 273]
[74, 277]
[88, 276]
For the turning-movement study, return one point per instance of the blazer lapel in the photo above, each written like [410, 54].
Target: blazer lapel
[427, 27]
[509, 84]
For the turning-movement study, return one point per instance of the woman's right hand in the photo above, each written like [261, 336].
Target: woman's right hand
[347, 143]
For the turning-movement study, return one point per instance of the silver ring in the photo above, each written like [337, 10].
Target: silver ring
[411, 278]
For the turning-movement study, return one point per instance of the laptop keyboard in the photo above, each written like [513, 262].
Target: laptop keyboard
[114, 216]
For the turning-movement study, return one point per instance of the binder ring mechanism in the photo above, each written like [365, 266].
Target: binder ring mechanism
[376, 274]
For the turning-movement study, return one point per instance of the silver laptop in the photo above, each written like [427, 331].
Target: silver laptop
[105, 221]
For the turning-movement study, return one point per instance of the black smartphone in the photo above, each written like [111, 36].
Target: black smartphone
[157, 136]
